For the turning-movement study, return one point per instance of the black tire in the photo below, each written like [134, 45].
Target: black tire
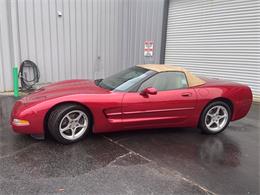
[202, 122]
[58, 114]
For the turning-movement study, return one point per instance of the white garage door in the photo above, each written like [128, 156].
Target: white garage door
[216, 38]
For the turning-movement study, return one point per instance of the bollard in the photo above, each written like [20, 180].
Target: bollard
[15, 80]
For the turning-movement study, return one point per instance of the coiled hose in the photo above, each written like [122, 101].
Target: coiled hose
[28, 68]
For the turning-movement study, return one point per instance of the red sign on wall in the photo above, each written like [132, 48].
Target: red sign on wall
[148, 48]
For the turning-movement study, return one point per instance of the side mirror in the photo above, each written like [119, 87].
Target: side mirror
[149, 91]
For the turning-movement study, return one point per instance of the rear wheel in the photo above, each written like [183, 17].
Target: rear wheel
[215, 117]
[69, 123]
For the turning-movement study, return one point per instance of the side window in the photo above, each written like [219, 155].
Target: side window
[166, 81]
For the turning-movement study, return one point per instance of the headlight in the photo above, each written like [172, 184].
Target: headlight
[19, 122]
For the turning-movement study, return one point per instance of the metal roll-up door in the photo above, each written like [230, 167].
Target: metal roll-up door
[216, 38]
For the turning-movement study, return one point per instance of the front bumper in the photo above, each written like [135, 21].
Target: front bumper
[25, 120]
[20, 122]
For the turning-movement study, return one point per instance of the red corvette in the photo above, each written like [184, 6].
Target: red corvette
[141, 97]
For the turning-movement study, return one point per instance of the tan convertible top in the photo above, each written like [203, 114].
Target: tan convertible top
[192, 79]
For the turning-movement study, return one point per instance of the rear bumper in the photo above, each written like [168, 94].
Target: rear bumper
[242, 104]
[241, 110]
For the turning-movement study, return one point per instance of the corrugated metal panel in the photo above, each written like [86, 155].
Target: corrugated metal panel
[5, 55]
[92, 39]
[216, 38]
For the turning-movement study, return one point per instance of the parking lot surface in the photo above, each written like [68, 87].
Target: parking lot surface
[161, 161]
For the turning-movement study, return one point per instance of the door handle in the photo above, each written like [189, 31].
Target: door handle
[186, 94]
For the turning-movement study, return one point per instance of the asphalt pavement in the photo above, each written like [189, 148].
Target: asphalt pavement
[161, 161]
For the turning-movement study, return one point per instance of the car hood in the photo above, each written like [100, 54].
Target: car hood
[64, 88]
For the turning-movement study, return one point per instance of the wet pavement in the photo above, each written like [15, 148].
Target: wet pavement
[162, 161]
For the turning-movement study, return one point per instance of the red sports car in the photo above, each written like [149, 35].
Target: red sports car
[141, 97]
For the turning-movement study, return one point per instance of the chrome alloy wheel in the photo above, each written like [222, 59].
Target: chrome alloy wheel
[73, 125]
[216, 118]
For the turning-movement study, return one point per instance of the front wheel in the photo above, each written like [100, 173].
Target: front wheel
[69, 123]
[215, 117]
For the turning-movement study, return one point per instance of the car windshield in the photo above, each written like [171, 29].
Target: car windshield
[126, 79]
